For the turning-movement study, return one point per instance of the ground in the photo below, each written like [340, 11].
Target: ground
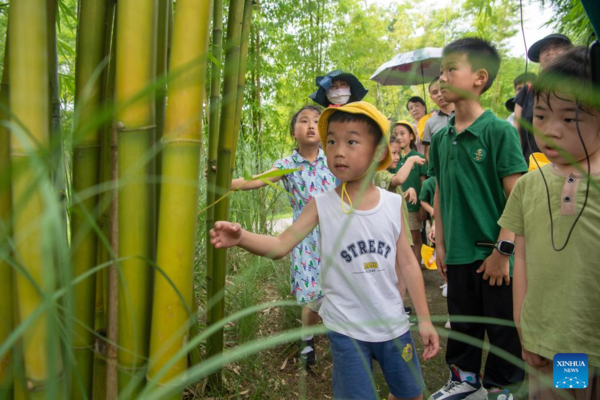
[276, 373]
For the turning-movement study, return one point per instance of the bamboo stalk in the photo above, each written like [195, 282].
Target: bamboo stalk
[213, 140]
[30, 184]
[6, 287]
[135, 66]
[108, 220]
[232, 62]
[246, 24]
[86, 162]
[179, 189]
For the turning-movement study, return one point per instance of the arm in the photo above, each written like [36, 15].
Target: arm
[519, 292]
[227, 234]
[404, 172]
[409, 271]
[496, 266]
[426, 147]
[242, 184]
[440, 248]
[428, 208]
[422, 216]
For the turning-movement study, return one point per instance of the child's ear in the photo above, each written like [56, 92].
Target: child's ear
[481, 78]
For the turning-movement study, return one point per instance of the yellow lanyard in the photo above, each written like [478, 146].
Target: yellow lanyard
[345, 193]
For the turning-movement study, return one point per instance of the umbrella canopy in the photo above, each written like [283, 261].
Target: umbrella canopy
[413, 68]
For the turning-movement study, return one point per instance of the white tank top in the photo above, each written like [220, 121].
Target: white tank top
[358, 274]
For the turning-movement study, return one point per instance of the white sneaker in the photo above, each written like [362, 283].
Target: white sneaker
[455, 389]
[447, 326]
[445, 290]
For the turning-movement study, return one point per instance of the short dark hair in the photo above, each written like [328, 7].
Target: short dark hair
[343, 116]
[569, 74]
[480, 53]
[393, 139]
[416, 99]
[436, 79]
[311, 107]
[524, 78]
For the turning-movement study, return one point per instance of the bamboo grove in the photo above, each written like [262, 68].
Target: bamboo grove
[97, 232]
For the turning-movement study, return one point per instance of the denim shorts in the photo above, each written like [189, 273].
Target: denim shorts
[353, 368]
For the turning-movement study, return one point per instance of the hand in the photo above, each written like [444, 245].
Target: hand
[225, 234]
[496, 268]
[440, 261]
[431, 340]
[411, 195]
[534, 360]
[422, 214]
[416, 160]
[432, 234]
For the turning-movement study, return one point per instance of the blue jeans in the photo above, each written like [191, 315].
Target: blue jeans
[353, 368]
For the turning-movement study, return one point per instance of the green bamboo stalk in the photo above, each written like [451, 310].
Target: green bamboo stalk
[31, 187]
[105, 362]
[179, 189]
[6, 287]
[135, 67]
[246, 24]
[232, 62]
[86, 164]
[213, 139]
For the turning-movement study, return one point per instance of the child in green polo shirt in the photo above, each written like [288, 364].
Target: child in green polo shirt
[476, 161]
[404, 132]
[556, 271]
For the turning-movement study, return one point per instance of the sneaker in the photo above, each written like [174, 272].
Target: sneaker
[456, 389]
[499, 394]
[445, 290]
[447, 326]
[309, 358]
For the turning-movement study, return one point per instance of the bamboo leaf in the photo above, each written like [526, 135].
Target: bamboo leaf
[268, 182]
[277, 173]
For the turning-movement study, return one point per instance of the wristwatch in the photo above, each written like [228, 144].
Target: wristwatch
[505, 247]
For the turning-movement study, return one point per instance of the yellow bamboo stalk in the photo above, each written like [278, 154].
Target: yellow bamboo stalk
[135, 66]
[86, 159]
[29, 104]
[6, 289]
[179, 189]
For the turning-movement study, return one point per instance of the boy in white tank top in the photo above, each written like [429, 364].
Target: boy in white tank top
[364, 248]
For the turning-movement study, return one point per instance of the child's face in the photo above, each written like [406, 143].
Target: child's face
[396, 150]
[556, 121]
[458, 81]
[350, 149]
[403, 135]
[416, 110]
[436, 95]
[305, 128]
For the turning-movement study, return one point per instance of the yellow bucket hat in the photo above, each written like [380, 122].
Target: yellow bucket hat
[407, 124]
[359, 107]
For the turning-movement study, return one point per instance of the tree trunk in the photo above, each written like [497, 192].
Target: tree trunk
[226, 144]
[179, 192]
[32, 191]
[135, 125]
[6, 288]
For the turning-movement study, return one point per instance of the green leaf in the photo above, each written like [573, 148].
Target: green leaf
[247, 173]
[277, 173]
[268, 182]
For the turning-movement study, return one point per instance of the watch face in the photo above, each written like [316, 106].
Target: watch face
[506, 247]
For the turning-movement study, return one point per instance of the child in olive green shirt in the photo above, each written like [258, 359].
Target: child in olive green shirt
[556, 274]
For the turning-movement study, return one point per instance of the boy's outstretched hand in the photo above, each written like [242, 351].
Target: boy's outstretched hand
[430, 338]
[225, 234]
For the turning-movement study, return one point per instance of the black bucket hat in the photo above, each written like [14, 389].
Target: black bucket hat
[534, 51]
[357, 90]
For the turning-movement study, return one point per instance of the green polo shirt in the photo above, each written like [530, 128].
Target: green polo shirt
[414, 178]
[383, 179]
[469, 168]
[428, 191]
